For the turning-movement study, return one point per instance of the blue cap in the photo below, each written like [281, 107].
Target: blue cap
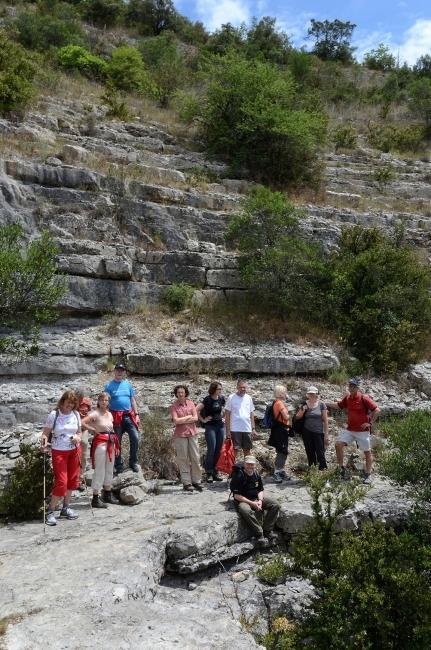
[354, 381]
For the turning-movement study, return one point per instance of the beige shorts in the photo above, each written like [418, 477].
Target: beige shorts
[362, 438]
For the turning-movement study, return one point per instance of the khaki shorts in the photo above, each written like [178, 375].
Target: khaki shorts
[241, 440]
[361, 437]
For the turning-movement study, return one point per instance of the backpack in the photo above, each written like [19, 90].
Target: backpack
[226, 459]
[237, 476]
[269, 419]
[298, 424]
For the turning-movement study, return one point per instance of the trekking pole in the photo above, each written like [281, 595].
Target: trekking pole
[80, 474]
[44, 492]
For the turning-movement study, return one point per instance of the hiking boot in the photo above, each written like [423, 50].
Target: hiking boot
[262, 542]
[188, 488]
[345, 476]
[277, 478]
[135, 467]
[108, 497]
[197, 487]
[367, 480]
[96, 502]
[50, 519]
[217, 477]
[271, 536]
[209, 478]
[68, 513]
[119, 470]
[82, 487]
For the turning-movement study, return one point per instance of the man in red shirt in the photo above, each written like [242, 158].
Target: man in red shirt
[361, 413]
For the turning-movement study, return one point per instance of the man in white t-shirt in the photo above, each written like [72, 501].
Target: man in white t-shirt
[239, 419]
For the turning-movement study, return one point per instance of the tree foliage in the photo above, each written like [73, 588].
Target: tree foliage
[165, 63]
[422, 67]
[380, 298]
[104, 13]
[151, 17]
[381, 58]
[419, 92]
[42, 30]
[254, 117]
[16, 76]
[126, 70]
[332, 39]
[76, 57]
[29, 290]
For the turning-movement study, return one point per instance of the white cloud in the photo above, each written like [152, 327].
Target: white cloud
[417, 41]
[409, 47]
[214, 14]
[296, 26]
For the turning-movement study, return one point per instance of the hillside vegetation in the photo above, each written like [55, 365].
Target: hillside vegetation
[272, 113]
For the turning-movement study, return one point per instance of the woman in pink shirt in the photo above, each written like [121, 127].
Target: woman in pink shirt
[184, 416]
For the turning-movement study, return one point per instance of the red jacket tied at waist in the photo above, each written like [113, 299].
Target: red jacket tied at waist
[118, 417]
[99, 439]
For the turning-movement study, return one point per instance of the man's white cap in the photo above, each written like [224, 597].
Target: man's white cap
[313, 389]
[250, 459]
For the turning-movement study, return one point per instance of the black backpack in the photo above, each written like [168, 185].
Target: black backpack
[299, 424]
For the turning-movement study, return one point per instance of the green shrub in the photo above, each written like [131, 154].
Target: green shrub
[40, 31]
[408, 459]
[273, 571]
[189, 106]
[22, 499]
[275, 260]
[377, 596]
[75, 57]
[344, 136]
[391, 137]
[104, 13]
[17, 72]
[127, 71]
[178, 296]
[383, 175]
[166, 65]
[380, 58]
[116, 103]
[157, 456]
[254, 117]
[419, 93]
[380, 299]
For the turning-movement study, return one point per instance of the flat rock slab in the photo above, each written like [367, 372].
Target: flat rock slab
[104, 571]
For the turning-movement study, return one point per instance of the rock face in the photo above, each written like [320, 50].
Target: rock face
[106, 571]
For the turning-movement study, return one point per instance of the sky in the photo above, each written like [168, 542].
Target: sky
[403, 25]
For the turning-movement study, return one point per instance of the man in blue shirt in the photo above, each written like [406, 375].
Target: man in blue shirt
[125, 413]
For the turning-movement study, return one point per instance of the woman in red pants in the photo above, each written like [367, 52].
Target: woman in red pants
[63, 430]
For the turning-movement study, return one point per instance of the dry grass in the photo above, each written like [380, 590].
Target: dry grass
[27, 147]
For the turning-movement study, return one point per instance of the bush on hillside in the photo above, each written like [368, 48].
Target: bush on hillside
[266, 42]
[157, 456]
[380, 299]
[22, 499]
[275, 260]
[254, 118]
[165, 64]
[75, 57]
[381, 58]
[178, 297]
[127, 71]
[392, 137]
[344, 136]
[151, 17]
[408, 459]
[40, 31]
[17, 72]
[419, 93]
[104, 13]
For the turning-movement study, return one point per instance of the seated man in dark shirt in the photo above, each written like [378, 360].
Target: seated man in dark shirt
[260, 512]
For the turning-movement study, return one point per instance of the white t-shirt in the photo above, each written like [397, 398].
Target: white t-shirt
[240, 407]
[65, 426]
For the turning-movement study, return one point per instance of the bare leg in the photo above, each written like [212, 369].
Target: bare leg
[67, 498]
[339, 448]
[368, 461]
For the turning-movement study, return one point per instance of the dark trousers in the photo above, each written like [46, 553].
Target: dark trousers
[314, 448]
[128, 427]
[262, 521]
[214, 436]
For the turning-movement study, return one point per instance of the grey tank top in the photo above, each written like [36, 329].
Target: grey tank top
[313, 418]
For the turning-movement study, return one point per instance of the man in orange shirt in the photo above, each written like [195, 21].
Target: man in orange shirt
[361, 413]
